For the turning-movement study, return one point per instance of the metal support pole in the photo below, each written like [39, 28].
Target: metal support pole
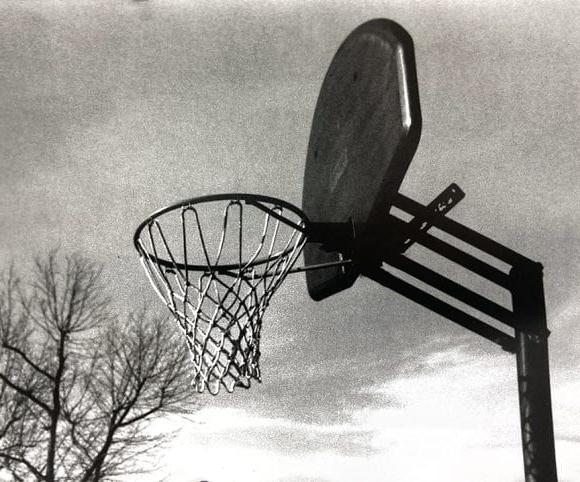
[533, 373]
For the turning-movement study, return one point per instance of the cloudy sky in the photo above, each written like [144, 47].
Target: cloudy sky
[113, 108]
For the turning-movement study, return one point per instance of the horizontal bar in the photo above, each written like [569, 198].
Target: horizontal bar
[332, 264]
[451, 252]
[442, 308]
[462, 232]
[452, 288]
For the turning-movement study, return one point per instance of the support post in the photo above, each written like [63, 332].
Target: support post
[533, 373]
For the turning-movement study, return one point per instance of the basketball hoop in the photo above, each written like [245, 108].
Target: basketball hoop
[365, 131]
[216, 261]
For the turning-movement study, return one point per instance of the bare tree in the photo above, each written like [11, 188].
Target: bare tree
[78, 388]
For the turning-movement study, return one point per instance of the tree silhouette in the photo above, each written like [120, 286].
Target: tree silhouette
[78, 387]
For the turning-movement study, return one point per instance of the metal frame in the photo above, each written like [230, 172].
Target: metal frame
[526, 333]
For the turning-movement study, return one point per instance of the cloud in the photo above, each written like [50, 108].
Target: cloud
[225, 419]
[227, 426]
[457, 419]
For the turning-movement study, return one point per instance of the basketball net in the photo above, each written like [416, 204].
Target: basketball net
[219, 305]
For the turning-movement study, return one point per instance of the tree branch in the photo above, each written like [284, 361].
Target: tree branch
[143, 415]
[22, 460]
[27, 393]
[28, 360]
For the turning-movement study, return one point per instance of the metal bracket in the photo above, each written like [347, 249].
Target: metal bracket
[437, 208]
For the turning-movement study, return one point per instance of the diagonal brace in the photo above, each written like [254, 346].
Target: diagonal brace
[444, 309]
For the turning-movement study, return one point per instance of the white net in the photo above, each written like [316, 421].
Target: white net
[216, 262]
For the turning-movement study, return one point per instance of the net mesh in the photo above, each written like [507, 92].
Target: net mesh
[218, 292]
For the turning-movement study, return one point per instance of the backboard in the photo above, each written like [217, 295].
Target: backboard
[365, 131]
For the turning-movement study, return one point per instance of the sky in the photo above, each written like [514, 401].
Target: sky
[113, 109]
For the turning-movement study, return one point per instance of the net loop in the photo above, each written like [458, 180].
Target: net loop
[215, 262]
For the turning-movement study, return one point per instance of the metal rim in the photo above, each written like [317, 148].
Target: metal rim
[257, 198]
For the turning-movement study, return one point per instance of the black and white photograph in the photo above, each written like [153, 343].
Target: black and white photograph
[289, 241]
